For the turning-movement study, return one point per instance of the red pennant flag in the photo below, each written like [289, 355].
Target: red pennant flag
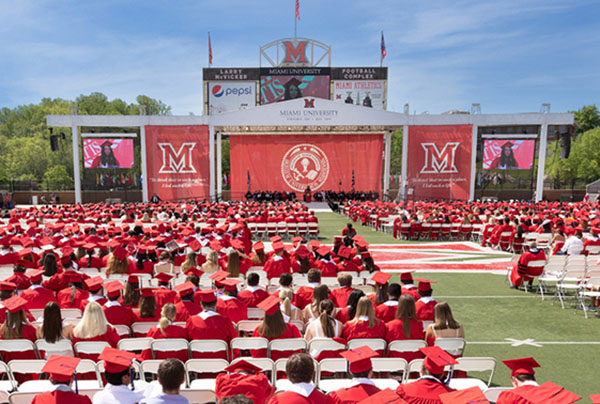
[297, 9]
[209, 51]
[383, 52]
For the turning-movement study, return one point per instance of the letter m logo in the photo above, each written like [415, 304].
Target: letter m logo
[177, 161]
[295, 53]
[439, 161]
[309, 103]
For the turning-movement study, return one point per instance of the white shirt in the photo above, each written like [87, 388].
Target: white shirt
[112, 394]
[573, 246]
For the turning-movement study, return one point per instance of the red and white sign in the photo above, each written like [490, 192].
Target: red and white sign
[107, 153]
[294, 162]
[178, 163]
[504, 154]
[439, 161]
[368, 93]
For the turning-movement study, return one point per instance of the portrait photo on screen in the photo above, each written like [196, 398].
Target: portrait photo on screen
[108, 153]
[504, 154]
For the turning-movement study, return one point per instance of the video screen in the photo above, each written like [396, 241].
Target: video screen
[283, 88]
[108, 153]
[504, 154]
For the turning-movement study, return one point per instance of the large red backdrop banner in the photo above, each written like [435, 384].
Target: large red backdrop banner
[293, 162]
[439, 161]
[178, 162]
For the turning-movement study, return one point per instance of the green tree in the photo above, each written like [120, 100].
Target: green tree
[57, 178]
[587, 118]
[153, 107]
[396, 153]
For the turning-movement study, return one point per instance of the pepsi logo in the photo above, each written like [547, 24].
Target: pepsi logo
[217, 91]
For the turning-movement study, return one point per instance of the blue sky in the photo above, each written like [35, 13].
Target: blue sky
[510, 55]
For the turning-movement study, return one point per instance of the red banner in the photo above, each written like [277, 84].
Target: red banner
[178, 161]
[294, 162]
[439, 161]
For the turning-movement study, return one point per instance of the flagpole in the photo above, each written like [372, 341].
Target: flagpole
[381, 54]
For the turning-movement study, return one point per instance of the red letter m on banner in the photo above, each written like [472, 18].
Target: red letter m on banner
[177, 162]
[439, 161]
[295, 53]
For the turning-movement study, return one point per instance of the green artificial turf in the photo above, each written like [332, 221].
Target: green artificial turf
[514, 314]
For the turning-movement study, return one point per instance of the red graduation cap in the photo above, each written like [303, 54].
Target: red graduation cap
[548, 393]
[436, 359]
[89, 246]
[194, 271]
[163, 277]
[302, 252]
[360, 358]
[4, 285]
[61, 368]
[72, 276]
[147, 292]
[185, 288]
[237, 244]
[424, 284]
[277, 246]
[521, 366]
[595, 398]
[231, 284]
[275, 239]
[270, 305]
[115, 360]
[406, 276]
[114, 244]
[113, 289]
[296, 240]
[15, 304]
[314, 244]
[323, 250]
[219, 275]
[258, 246]
[243, 366]
[471, 395]
[24, 252]
[195, 245]
[387, 396]
[208, 296]
[133, 279]
[35, 275]
[94, 283]
[381, 278]
[120, 253]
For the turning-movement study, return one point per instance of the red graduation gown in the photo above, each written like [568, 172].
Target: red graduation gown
[62, 397]
[37, 297]
[354, 394]
[274, 267]
[394, 332]
[118, 314]
[232, 308]
[289, 397]
[291, 331]
[386, 311]
[339, 296]
[186, 309]
[425, 310]
[251, 298]
[64, 298]
[255, 387]
[213, 327]
[511, 397]
[361, 329]
[423, 391]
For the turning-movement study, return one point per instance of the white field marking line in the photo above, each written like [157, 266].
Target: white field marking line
[531, 342]
[487, 297]
[450, 271]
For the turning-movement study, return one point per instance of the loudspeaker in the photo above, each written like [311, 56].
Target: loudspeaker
[565, 145]
[54, 143]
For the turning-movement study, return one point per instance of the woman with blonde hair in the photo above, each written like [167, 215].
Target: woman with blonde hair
[364, 324]
[444, 325]
[405, 326]
[325, 326]
[287, 308]
[94, 327]
[212, 262]
[311, 311]
[190, 261]
[166, 329]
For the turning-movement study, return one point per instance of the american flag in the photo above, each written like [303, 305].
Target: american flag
[297, 9]
[383, 52]
[209, 51]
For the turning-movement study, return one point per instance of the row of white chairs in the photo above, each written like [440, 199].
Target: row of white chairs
[264, 231]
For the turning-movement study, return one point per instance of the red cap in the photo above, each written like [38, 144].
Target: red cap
[4, 285]
[215, 245]
[595, 398]
[231, 284]
[115, 360]
[208, 296]
[436, 359]
[360, 358]
[466, 396]
[277, 246]
[35, 275]
[72, 276]
[15, 304]
[89, 246]
[381, 278]
[275, 239]
[406, 276]
[270, 305]
[344, 252]
[243, 366]
[302, 252]
[61, 368]
[522, 366]
[94, 283]
[258, 246]
[387, 396]
[65, 259]
[24, 252]
[219, 275]
[323, 250]
[296, 240]
[314, 244]
[185, 288]
[194, 271]
[120, 253]
[424, 284]
[163, 277]
[237, 244]
[147, 292]
[548, 393]
[113, 289]
[114, 244]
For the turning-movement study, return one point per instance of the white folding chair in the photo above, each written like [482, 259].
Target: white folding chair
[246, 344]
[122, 330]
[376, 344]
[492, 393]
[337, 367]
[9, 383]
[142, 327]
[161, 348]
[90, 347]
[406, 345]
[454, 346]
[265, 364]
[284, 384]
[394, 367]
[287, 345]
[18, 345]
[135, 344]
[200, 366]
[254, 313]
[202, 347]
[70, 313]
[61, 347]
[22, 397]
[247, 326]
[150, 366]
[30, 367]
[473, 364]
[196, 396]
[318, 345]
